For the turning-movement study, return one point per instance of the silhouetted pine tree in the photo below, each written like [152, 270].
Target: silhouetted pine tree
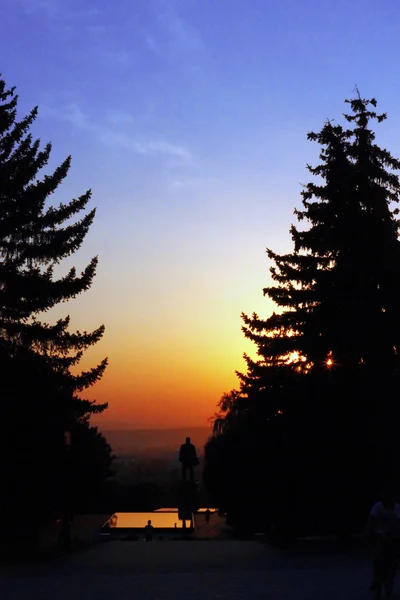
[34, 238]
[329, 355]
[40, 394]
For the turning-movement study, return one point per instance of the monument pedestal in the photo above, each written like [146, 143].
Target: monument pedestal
[187, 500]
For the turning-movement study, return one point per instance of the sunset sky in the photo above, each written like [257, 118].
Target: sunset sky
[188, 120]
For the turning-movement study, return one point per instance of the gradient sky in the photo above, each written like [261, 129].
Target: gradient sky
[188, 120]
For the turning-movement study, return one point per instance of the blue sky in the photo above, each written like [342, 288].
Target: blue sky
[188, 120]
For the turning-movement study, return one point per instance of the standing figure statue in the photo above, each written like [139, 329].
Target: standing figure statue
[188, 458]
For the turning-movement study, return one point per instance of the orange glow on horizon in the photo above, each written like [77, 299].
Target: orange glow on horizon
[157, 383]
[171, 355]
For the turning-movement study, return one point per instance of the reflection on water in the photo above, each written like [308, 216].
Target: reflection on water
[200, 510]
[159, 519]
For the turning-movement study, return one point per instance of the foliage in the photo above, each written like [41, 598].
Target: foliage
[320, 400]
[39, 356]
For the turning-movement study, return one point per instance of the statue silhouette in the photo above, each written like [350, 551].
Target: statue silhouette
[188, 458]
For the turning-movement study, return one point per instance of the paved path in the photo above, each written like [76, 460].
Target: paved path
[212, 530]
[174, 570]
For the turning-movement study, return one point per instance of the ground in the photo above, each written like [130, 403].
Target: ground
[191, 570]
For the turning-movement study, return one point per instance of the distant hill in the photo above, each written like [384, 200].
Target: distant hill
[154, 442]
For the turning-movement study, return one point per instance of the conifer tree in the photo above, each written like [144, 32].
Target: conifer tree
[40, 394]
[329, 354]
[34, 238]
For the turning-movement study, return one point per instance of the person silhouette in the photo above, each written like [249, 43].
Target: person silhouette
[149, 531]
[384, 528]
[188, 458]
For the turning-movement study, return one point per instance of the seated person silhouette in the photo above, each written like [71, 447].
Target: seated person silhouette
[188, 458]
[149, 531]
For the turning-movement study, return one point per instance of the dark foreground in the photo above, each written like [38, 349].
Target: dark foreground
[193, 570]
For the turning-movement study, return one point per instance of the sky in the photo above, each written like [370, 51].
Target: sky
[188, 120]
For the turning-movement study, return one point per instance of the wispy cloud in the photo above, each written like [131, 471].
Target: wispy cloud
[193, 182]
[107, 132]
[183, 35]
[174, 30]
[151, 148]
[119, 117]
[69, 112]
